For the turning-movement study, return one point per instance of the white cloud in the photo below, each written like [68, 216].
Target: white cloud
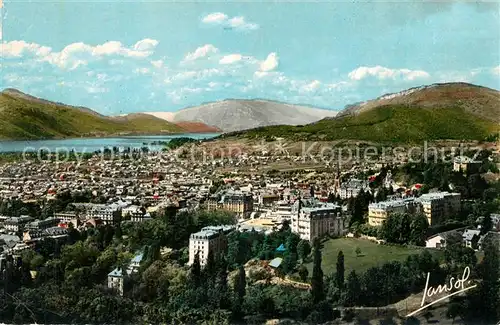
[496, 70]
[190, 75]
[383, 73]
[237, 23]
[216, 17]
[108, 48]
[261, 74]
[201, 52]
[157, 64]
[20, 48]
[146, 45]
[270, 63]
[77, 54]
[312, 86]
[230, 59]
[240, 23]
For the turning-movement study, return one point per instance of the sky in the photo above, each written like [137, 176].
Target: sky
[117, 57]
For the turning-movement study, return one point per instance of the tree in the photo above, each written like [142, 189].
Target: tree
[240, 286]
[340, 275]
[454, 309]
[353, 289]
[303, 249]
[490, 285]
[289, 262]
[210, 267]
[195, 275]
[403, 228]
[317, 285]
[418, 230]
[486, 225]
[456, 255]
[221, 283]
[303, 273]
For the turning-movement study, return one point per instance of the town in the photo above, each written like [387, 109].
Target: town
[119, 199]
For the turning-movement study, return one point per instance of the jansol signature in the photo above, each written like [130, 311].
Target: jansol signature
[458, 284]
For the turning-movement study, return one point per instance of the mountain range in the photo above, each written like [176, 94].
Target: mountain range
[27, 117]
[237, 114]
[457, 111]
[438, 111]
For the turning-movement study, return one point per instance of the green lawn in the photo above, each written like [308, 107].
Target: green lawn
[372, 254]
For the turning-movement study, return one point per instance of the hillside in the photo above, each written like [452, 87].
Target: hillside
[480, 101]
[26, 117]
[187, 126]
[197, 127]
[235, 114]
[442, 111]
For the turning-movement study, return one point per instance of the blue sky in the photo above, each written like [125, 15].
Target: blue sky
[120, 57]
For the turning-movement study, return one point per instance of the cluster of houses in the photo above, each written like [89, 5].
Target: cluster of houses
[20, 233]
[472, 238]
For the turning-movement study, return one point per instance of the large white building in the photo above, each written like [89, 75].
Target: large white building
[436, 207]
[378, 212]
[16, 224]
[230, 200]
[109, 213]
[313, 219]
[209, 239]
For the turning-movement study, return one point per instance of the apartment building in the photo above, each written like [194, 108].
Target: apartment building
[268, 199]
[235, 201]
[436, 207]
[351, 188]
[313, 219]
[16, 224]
[378, 212]
[439, 206]
[109, 213]
[66, 217]
[42, 224]
[133, 212]
[209, 239]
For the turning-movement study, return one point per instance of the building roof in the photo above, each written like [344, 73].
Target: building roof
[276, 262]
[469, 233]
[212, 231]
[391, 203]
[436, 196]
[115, 273]
[281, 248]
[138, 258]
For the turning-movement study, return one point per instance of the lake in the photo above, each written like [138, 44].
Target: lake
[93, 144]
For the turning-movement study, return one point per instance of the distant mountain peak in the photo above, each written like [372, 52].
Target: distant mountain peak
[479, 100]
[240, 114]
